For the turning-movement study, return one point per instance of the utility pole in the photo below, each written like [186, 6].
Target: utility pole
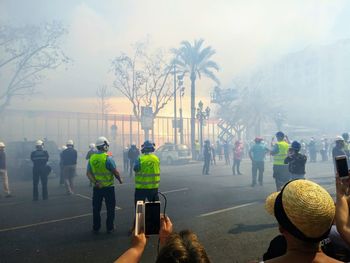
[175, 115]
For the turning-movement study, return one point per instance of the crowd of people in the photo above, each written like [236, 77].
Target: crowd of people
[313, 228]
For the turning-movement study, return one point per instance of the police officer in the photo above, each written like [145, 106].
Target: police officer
[40, 158]
[147, 174]
[279, 153]
[101, 171]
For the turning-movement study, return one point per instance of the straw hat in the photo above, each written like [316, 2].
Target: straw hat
[270, 203]
[307, 206]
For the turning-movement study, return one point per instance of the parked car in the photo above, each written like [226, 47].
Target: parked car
[171, 153]
[18, 158]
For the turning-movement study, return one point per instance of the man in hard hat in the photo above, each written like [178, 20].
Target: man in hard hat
[338, 149]
[147, 174]
[279, 153]
[101, 171]
[3, 170]
[92, 150]
[40, 158]
[69, 162]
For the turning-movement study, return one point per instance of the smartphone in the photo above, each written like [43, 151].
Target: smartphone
[140, 217]
[341, 164]
[152, 218]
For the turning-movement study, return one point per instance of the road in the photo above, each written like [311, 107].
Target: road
[224, 210]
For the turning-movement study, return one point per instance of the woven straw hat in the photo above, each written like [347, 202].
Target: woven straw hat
[308, 206]
[270, 203]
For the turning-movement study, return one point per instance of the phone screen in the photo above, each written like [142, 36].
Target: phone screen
[342, 166]
[152, 218]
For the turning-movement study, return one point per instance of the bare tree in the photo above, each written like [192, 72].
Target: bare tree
[103, 94]
[143, 78]
[25, 54]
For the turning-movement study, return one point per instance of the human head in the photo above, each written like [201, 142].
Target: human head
[147, 147]
[303, 209]
[280, 136]
[183, 247]
[70, 143]
[258, 140]
[2, 146]
[345, 135]
[102, 144]
[296, 146]
[39, 144]
[339, 141]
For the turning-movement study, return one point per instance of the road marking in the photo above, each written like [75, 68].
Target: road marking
[227, 209]
[89, 198]
[175, 190]
[44, 223]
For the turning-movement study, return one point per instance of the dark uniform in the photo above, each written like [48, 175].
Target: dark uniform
[40, 158]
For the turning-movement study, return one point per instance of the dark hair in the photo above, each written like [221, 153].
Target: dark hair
[183, 248]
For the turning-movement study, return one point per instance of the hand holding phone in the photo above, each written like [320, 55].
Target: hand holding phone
[166, 228]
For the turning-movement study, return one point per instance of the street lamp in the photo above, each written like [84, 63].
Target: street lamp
[182, 93]
[201, 116]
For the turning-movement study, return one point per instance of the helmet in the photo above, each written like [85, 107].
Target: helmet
[147, 146]
[280, 134]
[2, 145]
[70, 142]
[39, 143]
[339, 138]
[101, 141]
[345, 136]
[296, 146]
[92, 146]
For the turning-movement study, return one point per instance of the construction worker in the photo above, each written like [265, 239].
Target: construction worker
[92, 150]
[3, 170]
[279, 153]
[69, 162]
[41, 171]
[147, 174]
[101, 170]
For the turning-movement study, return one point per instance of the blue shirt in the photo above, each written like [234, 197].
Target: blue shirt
[110, 163]
[258, 152]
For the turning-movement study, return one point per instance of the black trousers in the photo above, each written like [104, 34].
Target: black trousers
[108, 194]
[143, 194]
[39, 174]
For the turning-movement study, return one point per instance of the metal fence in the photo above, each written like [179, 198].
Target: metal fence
[84, 128]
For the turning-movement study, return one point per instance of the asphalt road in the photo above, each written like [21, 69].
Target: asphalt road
[224, 210]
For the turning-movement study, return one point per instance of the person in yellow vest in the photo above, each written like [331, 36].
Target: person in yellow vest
[101, 171]
[147, 174]
[279, 153]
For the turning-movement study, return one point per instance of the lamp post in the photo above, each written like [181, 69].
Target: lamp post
[182, 93]
[201, 116]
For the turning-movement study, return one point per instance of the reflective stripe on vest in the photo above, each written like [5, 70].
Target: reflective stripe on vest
[149, 175]
[101, 173]
[283, 147]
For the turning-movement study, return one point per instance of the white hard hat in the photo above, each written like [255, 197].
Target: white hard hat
[102, 141]
[339, 138]
[64, 147]
[39, 143]
[70, 142]
[2, 145]
[91, 145]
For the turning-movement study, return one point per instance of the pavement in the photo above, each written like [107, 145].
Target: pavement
[224, 211]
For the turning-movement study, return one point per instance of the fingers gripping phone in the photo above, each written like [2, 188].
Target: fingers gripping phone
[147, 218]
[341, 164]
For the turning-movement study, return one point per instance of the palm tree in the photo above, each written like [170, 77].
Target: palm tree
[194, 60]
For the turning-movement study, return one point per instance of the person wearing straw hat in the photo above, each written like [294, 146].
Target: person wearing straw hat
[305, 212]
[3, 170]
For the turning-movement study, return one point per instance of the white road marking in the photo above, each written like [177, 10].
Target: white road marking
[175, 190]
[44, 223]
[227, 209]
[89, 198]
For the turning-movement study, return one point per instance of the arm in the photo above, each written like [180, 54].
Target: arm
[116, 174]
[134, 253]
[342, 211]
[166, 228]
[137, 165]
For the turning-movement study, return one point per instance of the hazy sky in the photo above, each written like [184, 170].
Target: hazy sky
[245, 33]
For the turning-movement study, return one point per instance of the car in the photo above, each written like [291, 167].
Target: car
[18, 158]
[171, 153]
